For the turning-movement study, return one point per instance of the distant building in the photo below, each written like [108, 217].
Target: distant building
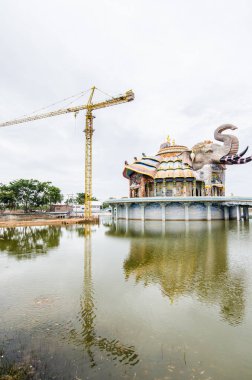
[61, 208]
[78, 210]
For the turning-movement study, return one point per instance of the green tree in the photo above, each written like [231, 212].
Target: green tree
[7, 197]
[29, 193]
[52, 194]
[80, 198]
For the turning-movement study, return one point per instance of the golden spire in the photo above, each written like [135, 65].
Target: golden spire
[168, 139]
[173, 142]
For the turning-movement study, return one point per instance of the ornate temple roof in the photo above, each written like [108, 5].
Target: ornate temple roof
[169, 162]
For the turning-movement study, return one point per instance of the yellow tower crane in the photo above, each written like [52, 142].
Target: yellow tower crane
[89, 130]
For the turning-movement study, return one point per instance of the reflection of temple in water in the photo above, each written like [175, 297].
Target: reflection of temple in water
[83, 333]
[184, 260]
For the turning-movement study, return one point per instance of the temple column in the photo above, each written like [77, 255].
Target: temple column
[142, 188]
[194, 188]
[163, 211]
[209, 211]
[142, 206]
[226, 212]
[186, 211]
[202, 189]
[184, 188]
[116, 212]
[207, 190]
[155, 188]
[174, 188]
[238, 212]
[163, 188]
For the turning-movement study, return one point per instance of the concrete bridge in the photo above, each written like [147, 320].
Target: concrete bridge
[181, 208]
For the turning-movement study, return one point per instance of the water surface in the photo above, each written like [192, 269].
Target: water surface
[127, 301]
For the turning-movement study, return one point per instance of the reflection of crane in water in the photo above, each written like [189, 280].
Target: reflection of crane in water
[87, 336]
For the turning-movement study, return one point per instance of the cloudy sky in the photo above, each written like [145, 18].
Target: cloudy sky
[188, 62]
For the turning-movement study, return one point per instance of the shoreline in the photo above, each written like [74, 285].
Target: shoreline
[45, 222]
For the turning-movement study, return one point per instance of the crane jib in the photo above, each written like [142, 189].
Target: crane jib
[129, 96]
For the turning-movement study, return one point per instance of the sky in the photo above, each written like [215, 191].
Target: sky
[189, 64]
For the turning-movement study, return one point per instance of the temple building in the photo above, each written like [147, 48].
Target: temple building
[181, 183]
[170, 174]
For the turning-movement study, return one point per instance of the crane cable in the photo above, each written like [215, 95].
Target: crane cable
[76, 96]
[105, 93]
[79, 95]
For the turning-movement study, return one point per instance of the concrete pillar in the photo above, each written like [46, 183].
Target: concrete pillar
[238, 212]
[226, 212]
[246, 212]
[113, 212]
[142, 206]
[116, 212]
[163, 212]
[209, 211]
[247, 208]
[186, 211]
[163, 188]
[126, 211]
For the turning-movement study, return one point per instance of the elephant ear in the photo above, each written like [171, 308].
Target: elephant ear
[231, 143]
[186, 158]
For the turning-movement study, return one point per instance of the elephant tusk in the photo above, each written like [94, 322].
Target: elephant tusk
[237, 156]
[234, 157]
[239, 161]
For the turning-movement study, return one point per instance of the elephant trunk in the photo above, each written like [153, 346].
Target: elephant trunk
[231, 143]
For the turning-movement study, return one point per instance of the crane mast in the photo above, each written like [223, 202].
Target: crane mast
[88, 164]
[89, 130]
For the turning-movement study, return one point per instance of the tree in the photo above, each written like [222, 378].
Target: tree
[7, 197]
[29, 193]
[52, 194]
[80, 198]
